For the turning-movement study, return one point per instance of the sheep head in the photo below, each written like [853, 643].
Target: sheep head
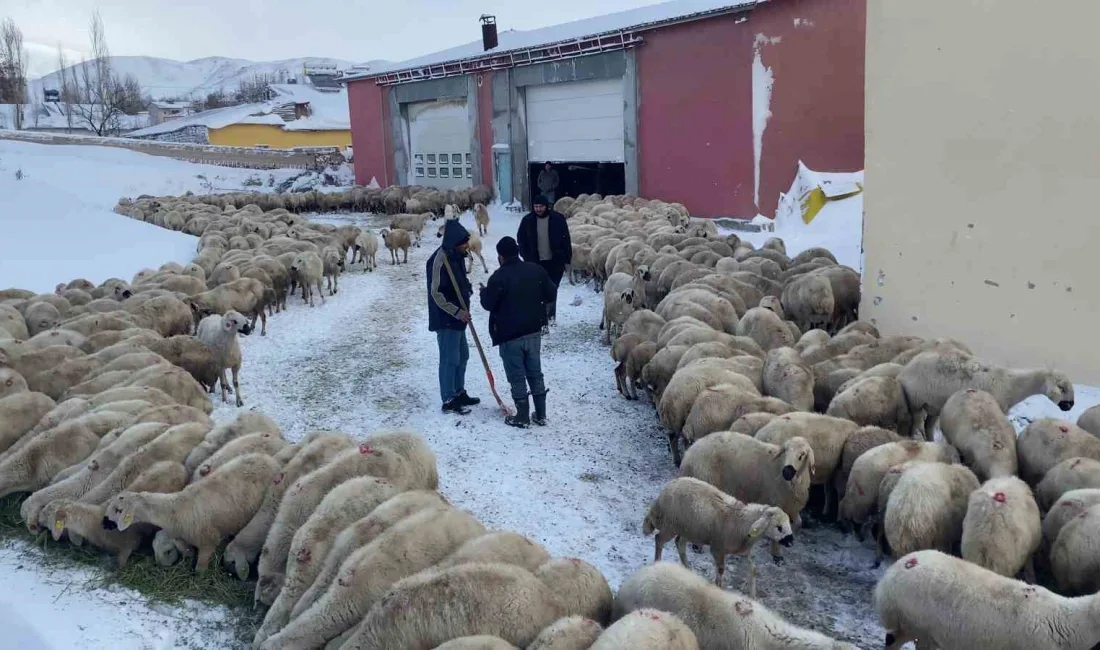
[233, 321]
[60, 518]
[1059, 389]
[796, 455]
[122, 510]
[774, 525]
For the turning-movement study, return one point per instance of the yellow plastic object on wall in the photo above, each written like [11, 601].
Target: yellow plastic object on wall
[823, 193]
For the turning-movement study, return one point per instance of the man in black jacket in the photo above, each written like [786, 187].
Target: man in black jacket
[543, 238]
[448, 319]
[515, 299]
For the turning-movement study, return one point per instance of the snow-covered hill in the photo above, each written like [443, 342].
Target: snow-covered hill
[166, 78]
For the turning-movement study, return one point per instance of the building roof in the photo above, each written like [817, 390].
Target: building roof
[171, 105]
[329, 112]
[512, 40]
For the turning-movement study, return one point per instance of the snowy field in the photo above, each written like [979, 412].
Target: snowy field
[364, 360]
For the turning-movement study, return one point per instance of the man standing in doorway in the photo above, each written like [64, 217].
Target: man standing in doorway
[543, 239]
[515, 299]
[448, 319]
[548, 183]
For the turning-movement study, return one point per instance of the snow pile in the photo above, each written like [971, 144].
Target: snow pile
[57, 223]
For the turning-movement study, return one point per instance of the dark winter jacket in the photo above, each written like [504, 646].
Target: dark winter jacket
[561, 246]
[443, 304]
[515, 299]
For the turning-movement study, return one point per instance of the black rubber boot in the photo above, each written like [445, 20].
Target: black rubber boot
[540, 410]
[522, 418]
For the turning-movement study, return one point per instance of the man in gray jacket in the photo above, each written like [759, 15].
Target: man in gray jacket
[548, 183]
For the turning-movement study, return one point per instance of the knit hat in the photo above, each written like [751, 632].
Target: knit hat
[507, 248]
[540, 200]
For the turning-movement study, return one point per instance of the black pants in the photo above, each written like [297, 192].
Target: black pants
[555, 270]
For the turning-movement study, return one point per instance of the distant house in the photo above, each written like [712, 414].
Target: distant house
[160, 111]
[300, 115]
[58, 117]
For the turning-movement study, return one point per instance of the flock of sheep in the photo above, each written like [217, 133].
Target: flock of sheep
[757, 364]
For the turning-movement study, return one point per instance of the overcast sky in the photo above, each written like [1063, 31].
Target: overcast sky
[261, 30]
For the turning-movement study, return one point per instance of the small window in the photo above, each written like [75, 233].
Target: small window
[469, 172]
[444, 172]
[457, 172]
[431, 159]
[468, 159]
[419, 158]
[431, 172]
[420, 172]
[456, 159]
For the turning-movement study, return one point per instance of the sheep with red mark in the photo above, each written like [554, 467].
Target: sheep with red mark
[1002, 528]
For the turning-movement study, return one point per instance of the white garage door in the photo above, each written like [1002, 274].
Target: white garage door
[439, 137]
[576, 121]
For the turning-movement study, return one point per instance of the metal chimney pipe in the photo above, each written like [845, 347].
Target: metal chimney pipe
[488, 31]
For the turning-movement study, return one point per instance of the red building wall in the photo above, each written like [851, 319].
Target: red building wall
[695, 128]
[370, 133]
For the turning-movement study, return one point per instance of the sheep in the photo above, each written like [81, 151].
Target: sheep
[34, 464]
[19, 413]
[720, 619]
[175, 382]
[166, 315]
[825, 434]
[253, 443]
[787, 378]
[619, 302]
[647, 629]
[422, 611]
[620, 352]
[809, 301]
[568, 633]
[332, 261]
[154, 396]
[948, 602]
[927, 507]
[931, 378]
[750, 423]
[56, 337]
[12, 323]
[365, 531]
[314, 453]
[690, 510]
[474, 249]
[33, 362]
[505, 547]
[409, 546]
[40, 317]
[765, 327]
[1065, 509]
[219, 335]
[395, 240]
[342, 506]
[203, 513]
[172, 445]
[1071, 474]
[718, 407]
[684, 389]
[478, 642]
[862, 492]
[367, 246]
[481, 218]
[644, 322]
[1047, 442]
[244, 424]
[1002, 530]
[753, 471]
[368, 458]
[858, 443]
[874, 401]
[59, 379]
[86, 521]
[308, 268]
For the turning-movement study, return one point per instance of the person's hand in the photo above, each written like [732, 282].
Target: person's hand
[481, 286]
[464, 316]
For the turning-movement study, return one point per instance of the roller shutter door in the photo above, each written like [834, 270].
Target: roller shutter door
[576, 121]
[439, 137]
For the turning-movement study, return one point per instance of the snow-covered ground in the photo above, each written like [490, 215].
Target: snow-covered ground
[364, 360]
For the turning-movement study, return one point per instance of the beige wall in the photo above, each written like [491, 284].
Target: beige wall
[983, 171]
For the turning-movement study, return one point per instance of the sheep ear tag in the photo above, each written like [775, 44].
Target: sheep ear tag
[127, 519]
[59, 525]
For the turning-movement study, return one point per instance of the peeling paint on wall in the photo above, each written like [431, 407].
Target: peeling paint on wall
[762, 83]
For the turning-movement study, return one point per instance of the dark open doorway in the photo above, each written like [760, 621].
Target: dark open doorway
[576, 178]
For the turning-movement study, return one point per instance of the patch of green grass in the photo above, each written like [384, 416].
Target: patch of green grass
[171, 585]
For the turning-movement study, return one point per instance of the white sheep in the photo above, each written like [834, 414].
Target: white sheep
[825, 434]
[720, 619]
[787, 378]
[479, 642]
[927, 507]
[410, 546]
[203, 513]
[33, 465]
[219, 335]
[931, 378]
[569, 633]
[973, 422]
[245, 423]
[1002, 530]
[308, 269]
[19, 413]
[1067, 507]
[690, 510]
[1047, 442]
[765, 327]
[172, 445]
[753, 471]
[1071, 474]
[366, 244]
[86, 522]
[424, 610]
[719, 407]
[647, 629]
[397, 240]
[1090, 420]
[481, 218]
[873, 401]
[344, 505]
[947, 602]
[11, 382]
[254, 443]
[503, 547]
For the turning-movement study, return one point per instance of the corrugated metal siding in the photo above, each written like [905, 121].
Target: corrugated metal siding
[576, 121]
[439, 136]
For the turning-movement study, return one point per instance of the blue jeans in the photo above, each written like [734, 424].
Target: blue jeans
[522, 365]
[453, 355]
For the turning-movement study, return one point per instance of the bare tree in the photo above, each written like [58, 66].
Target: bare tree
[102, 95]
[13, 63]
[67, 92]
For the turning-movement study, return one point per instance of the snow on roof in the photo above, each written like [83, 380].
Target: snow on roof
[512, 39]
[51, 115]
[170, 105]
[329, 112]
